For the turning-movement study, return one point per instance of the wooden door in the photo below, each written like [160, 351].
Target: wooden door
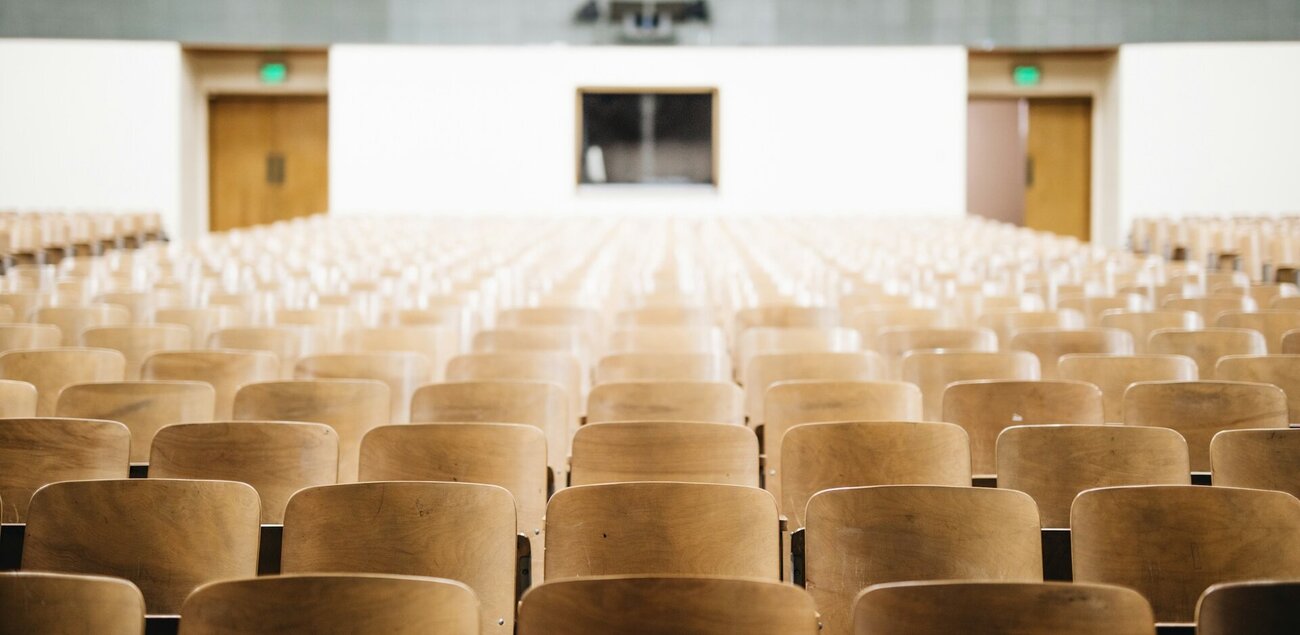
[268, 159]
[1058, 187]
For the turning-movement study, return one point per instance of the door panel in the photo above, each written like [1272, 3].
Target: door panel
[268, 159]
[1058, 189]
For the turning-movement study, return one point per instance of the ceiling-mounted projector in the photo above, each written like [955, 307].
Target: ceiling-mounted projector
[648, 22]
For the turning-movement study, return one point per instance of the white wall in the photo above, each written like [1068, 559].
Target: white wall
[1209, 129]
[90, 126]
[482, 129]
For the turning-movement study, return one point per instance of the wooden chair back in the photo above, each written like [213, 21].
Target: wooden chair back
[561, 369]
[201, 321]
[144, 406]
[933, 371]
[538, 404]
[768, 340]
[17, 399]
[1259, 607]
[168, 537]
[32, 602]
[1141, 324]
[288, 343]
[670, 316]
[1207, 346]
[74, 320]
[1198, 410]
[1092, 307]
[668, 339]
[1282, 371]
[893, 342]
[1210, 307]
[225, 370]
[870, 321]
[1007, 324]
[624, 367]
[20, 336]
[137, 342]
[1050, 344]
[35, 452]
[459, 531]
[720, 402]
[401, 372]
[766, 370]
[1271, 323]
[1258, 459]
[677, 451]
[1113, 374]
[437, 343]
[50, 370]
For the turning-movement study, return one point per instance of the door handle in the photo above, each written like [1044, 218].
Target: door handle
[1029, 171]
[275, 168]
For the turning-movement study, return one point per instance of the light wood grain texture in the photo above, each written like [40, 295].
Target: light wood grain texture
[277, 458]
[17, 398]
[38, 451]
[332, 604]
[1290, 343]
[870, 321]
[329, 323]
[288, 343]
[1092, 307]
[662, 528]
[20, 336]
[1007, 324]
[668, 339]
[401, 372]
[25, 304]
[1207, 346]
[1113, 374]
[144, 406]
[687, 452]
[225, 370]
[1171, 542]
[565, 339]
[63, 604]
[1001, 608]
[768, 340]
[718, 402]
[790, 403]
[765, 370]
[1271, 323]
[1200, 409]
[508, 455]
[1210, 307]
[786, 316]
[51, 370]
[625, 367]
[437, 343]
[1141, 324]
[1282, 371]
[352, 407]
[459, 531]
[140, 305]
[542, 405]
[1058, 147]
[138, 341]
[670, 316]
[561, 369]
[860, 536]
[933, 371]
[202, 321]
[1053, 463]
[167, 537]
[892, 343]
[73, 320]
[1050, 344]
[580, 317]
[822, 456]
[1258, 608]
[1259, 459]
[667, 605]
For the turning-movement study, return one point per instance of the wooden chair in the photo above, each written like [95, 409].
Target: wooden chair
[1050, 344]
[201, 321]
[167, 537]
[1210, 307]
[508, 455]
[1007, 324]
[1053, 463]
[50, 370]
[668, 339]
[1282, 371]
[1259, 459]
[580, 317]
[669, 316]
[662, 528]
[1271, 323]
[225, 370]
[819, 456]
[932, 371]
[288, 343]
[561, 369]
[351, 406]
[32, 602]
[1141, 324]
[144, 406]
[38, 451]
[437, 343]
[19, 336]
[1192, 536]
[624, 367]
[677, 451]
[73, 320]
[24, 305]
[859, 536]
[17, 399]
[1200, 409]
[542, 405]
[869, 322]
[667, 401]
[892, 343]
[1113, 374]
[786, 316]
[277, 458]
[1206, 346]
[766, 370]
[564, 339]
[137, 341]
[328, 322]
[459, 531]
[1093, 307]
[1290, 343]
[989, 608]
[332, 604]
[667, 605]
[401, 372]
[766, 340]
[1259, 607]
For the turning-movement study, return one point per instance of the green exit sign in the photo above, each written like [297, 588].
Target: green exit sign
[273, 73]
[1026, 75]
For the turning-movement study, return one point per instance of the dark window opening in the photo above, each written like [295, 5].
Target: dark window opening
[647, 138]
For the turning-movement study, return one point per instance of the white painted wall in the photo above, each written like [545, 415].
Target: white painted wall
[1209, 129]
[480, 129]
[90, 126]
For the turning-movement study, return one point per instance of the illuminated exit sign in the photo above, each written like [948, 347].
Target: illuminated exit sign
[273, 73]
[1026, 75]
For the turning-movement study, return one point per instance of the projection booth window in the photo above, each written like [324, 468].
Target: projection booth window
[656, 137]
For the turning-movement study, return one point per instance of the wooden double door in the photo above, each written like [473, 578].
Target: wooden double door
[268, 159]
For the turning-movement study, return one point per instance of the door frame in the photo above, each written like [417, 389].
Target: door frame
[211, 72]
[1083, 73]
